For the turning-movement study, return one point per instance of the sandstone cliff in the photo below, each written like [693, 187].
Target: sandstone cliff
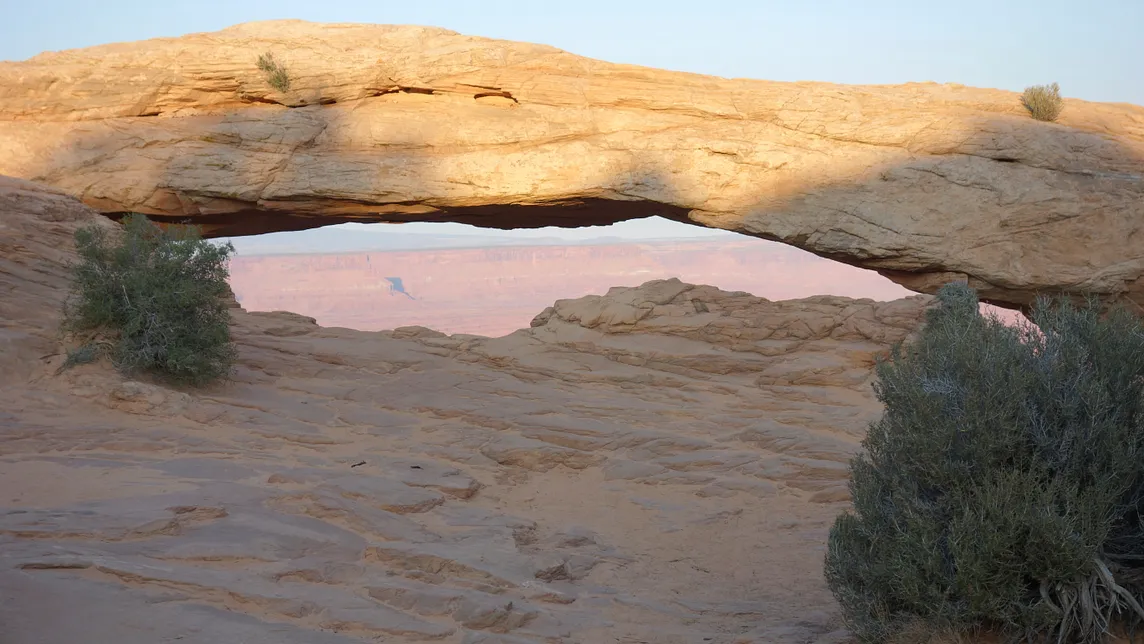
[922, 182]
[658, 464]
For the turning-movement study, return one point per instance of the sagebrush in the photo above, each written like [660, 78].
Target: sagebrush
[276, 74]
[157, 299]
[1044, 102]
[1003, 487]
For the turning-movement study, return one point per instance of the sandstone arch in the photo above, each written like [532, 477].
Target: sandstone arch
[921, 182]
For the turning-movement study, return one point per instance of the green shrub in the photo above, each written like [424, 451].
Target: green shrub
[159, 294]
[83, 354]
[1003, 488]
[276, 74]
[1043, 101]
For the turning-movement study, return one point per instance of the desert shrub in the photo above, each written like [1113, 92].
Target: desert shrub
[158, 294]
[83, 354]
[1003, 487]
[1043, 101]
[276, 74]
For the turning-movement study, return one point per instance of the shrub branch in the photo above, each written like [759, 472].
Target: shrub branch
[1043, 101]
[275, 72]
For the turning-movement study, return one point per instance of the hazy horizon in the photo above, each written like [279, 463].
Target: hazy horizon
[432, 235]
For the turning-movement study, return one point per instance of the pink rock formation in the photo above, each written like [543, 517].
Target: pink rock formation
[659, 463]
[925, 183]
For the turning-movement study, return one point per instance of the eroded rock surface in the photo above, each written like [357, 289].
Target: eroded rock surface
[923, 182]
[656, 464]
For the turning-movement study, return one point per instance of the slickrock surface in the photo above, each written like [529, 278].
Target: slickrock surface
[657, 464]
[922, 182]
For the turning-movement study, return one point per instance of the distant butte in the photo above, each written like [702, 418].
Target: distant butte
[924, 183]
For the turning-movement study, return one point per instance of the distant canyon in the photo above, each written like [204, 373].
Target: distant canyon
[492, 291]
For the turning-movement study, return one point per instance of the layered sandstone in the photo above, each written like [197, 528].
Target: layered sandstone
[924, 183]
[658, 463]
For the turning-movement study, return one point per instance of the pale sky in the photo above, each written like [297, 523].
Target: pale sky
[1094, 49]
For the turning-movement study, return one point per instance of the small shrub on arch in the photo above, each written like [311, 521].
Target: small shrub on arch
[1043, 101]
[158, 297]
[275, 72]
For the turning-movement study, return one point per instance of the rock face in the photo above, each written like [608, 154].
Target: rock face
[658, 464]
[924, 183]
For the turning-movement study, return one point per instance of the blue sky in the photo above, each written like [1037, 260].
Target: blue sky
[1095, 50]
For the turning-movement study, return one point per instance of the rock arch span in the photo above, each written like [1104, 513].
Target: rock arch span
[922, 182]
